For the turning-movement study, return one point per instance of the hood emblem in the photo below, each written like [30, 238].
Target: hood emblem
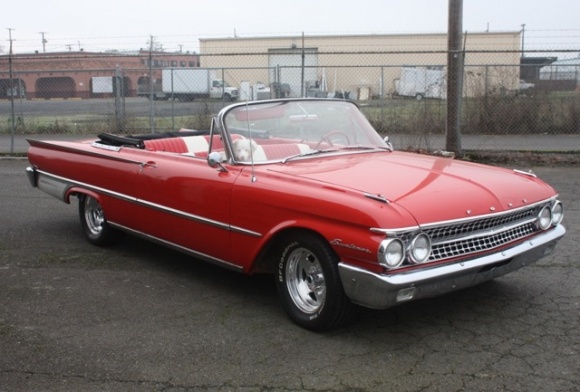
[468, 212]
[492, 208]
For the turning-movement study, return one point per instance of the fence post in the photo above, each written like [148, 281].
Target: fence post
[119, 99]
[151, 89]
[172, 98]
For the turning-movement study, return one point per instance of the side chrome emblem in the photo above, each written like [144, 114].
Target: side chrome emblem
[338, 242]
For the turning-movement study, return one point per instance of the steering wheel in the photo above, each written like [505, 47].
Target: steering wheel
[327, 138]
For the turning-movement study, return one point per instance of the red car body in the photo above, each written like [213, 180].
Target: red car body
[350, 223]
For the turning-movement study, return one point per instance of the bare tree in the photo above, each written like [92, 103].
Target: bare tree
[154, 45]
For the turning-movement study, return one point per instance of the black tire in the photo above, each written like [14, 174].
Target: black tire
[95, 227]
[309, 285]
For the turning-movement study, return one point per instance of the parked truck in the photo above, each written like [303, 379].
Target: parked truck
[421, 82]
[187, 84]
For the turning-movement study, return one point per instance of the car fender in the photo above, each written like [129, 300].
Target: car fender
[355, 245]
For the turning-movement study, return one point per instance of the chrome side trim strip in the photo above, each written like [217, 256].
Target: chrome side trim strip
[68, 183]
[179, 248]
[380, 198]
[197, 218]
[525, 173]
[105, 147]
[57, 186]
[394, 231]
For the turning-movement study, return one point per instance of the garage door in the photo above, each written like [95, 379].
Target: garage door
[57, 87]
[286, 68]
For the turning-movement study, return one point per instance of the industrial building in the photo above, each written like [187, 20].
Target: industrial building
[368, 65]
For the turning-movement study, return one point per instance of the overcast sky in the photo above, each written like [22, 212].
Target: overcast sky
[178, 24]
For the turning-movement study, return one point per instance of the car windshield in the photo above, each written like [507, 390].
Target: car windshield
[292, 129]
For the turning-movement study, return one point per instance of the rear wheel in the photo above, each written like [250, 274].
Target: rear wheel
[94, 224]
[309, 285]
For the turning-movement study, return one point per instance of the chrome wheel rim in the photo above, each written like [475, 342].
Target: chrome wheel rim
[305, 281]
[94, 216]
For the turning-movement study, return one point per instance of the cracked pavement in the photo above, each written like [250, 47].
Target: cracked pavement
[138, 317]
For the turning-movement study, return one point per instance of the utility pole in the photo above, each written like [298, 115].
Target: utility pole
[151, 87]
[12, 117]
[454, 77]
[44, 41]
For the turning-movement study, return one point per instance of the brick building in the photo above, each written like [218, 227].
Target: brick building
[83, 74]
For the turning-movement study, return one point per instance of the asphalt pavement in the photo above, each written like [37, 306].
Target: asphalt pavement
[138, 317]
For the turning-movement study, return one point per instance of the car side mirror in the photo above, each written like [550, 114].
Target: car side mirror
[214, 160]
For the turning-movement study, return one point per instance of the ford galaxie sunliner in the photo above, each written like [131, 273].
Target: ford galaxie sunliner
[307, 190]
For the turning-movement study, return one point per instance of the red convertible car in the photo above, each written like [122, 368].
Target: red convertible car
[305, 189]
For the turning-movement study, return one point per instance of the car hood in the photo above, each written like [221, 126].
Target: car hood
[432, 189]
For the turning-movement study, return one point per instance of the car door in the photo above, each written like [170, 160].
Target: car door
[187, 203]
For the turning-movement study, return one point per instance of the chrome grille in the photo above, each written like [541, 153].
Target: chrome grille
[463, 229]
[479, 235]
[472, 245]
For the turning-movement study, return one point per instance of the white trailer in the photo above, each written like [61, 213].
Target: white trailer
[421, 82]
[187, 84]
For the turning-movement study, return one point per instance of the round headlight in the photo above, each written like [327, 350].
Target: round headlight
[420, 248]
[545, 218]
[557, 213]
[391, 253]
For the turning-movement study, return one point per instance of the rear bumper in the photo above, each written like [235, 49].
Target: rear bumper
[383, 291]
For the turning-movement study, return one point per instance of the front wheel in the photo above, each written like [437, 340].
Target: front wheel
[309, 285]
[94, 224]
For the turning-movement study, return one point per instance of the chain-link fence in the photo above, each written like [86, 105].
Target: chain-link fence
[509, 102]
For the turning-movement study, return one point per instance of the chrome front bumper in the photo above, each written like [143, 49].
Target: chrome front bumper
[383, 291]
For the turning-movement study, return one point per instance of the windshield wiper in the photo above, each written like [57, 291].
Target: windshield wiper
[359, 147]
[336, 149]
[308, 153]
